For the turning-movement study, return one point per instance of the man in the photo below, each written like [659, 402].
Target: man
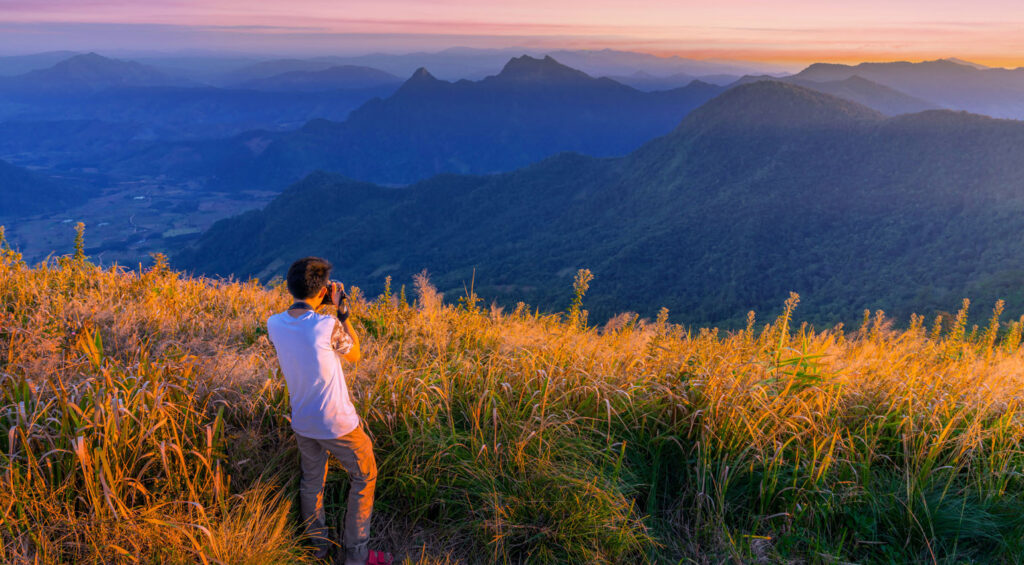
[310, 347]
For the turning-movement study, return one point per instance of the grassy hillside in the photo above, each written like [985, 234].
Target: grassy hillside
[144, 420]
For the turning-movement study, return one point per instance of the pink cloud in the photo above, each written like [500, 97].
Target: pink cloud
[779, 28]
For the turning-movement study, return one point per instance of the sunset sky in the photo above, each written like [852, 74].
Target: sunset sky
[782, 31]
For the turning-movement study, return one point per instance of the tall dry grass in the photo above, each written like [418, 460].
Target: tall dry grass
[144, 420]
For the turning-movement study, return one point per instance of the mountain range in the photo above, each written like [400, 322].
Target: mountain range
[950, 83]
[647, 82]
[89, 72]
[91, 87]
[766, 189]
[886, 100]
[530, 110]
[339, 77]
[467, 63]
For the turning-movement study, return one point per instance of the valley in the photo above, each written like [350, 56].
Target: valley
[127, 221]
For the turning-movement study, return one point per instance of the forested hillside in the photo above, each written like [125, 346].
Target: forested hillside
[767, 189]
[23, 192]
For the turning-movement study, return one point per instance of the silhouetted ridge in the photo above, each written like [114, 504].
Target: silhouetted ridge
[834, 71]
[95, 71]
[527, 68]
[336, 77]
[777, 104]
[422, 74]
[420, 80]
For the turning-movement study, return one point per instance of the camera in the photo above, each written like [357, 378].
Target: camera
[329, 297]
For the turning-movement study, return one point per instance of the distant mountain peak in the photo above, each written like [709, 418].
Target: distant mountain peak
[777, 104]
[94, 71]
[90, 56]
[422, 74]
[96, 62]
[965, 63]
[527, 68]
[420, 80]
[90, 59]
[857, 80]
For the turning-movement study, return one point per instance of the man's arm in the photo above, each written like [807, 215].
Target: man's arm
[344, 338]
[353, 354]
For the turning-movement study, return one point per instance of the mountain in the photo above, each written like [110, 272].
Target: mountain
[649, 83]
[766, 189]
[614, 62]
[90, 72]
[26, 193]
[275, 67]
[888, 101]
[968, 63]
[548, 71]
[532, 109]
[344, 77]
[20, 64]
[946, 82]
[469, 63]
[159, 115]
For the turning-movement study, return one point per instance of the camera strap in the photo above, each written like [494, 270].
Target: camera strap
[300, 306]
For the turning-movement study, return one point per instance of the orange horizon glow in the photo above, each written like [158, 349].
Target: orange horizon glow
[989, 32]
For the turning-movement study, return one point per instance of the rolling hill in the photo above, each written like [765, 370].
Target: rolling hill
[768, 188]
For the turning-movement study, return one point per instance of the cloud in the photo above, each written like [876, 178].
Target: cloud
[792, 29]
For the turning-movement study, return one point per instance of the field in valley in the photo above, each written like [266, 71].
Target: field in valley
[128, 220]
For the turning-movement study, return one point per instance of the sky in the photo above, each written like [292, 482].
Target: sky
[780, 31]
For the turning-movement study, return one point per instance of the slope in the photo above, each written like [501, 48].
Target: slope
[25, 193]
[768, 188]
[884, 99]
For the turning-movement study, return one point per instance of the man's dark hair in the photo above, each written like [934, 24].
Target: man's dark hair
[307, 276]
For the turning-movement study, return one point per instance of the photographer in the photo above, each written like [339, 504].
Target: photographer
[310, 347]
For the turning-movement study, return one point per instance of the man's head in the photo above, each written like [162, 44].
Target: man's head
[308, 277]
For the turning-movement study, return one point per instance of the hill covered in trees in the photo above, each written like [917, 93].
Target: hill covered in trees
[767, 189]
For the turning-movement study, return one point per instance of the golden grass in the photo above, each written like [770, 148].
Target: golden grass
[144, 420]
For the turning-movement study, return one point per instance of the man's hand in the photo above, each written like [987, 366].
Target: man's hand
[337, 291]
